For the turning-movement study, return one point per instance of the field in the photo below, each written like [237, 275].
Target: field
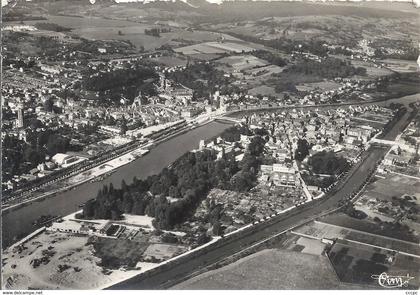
[242, 62]
[106, 29]
[266, 71]
[217, 48]
[401, 66]
[341, 219]
[395, 197]
[170, 61]
[100, 28]
[406, 87]
[310, 246]
[263, 90]
[201, 36]
[320, 230]
[393, 185]
[331, 28]
[356, 263]
[371, 70]
[269, 269]
[323, 86]
[56, 260]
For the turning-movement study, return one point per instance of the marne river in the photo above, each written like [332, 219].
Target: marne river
[18, 223]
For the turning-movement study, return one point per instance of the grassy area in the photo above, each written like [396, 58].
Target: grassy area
[392, 231]
[270, 269]
[323, 86]
[355, 263]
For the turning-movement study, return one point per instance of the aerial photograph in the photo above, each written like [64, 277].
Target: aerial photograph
[210, 145]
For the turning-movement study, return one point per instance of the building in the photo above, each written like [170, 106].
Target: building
[20, 122]
[396, 160]
[55, 70]
[190, 113]
[65, 160]
[279, 175]
[182, 93]
[110, 129]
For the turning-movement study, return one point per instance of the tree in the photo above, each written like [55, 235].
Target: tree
[48, 105]
[202, 239]
[327, 163]
[217, 229]
[302, 149]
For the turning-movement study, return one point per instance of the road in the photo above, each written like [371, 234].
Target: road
[350, 184]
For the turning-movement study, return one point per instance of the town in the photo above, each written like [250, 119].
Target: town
[163, 141]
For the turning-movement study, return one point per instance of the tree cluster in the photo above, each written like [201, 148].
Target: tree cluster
[156, 31]
[302, 149]
[204, 79]
[173, 195]
[272, 58]
[51, 27]
[328, 68]
[119, 78]
[20, 156]
[327, 163]
[233, 133]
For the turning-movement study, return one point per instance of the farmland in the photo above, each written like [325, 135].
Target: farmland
[269, 269]
[355, 263]
[320, 230]
[217, 48]
[343, 220]
[237, 63]
[394, 198]
[402, 66]
[323, 86]
[100, 27]
[372, 71]
[106, 29]
[328, 28]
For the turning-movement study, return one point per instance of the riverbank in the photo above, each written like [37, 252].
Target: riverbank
[97, 173]
[93, 174]
[405, 100]
[17, 223]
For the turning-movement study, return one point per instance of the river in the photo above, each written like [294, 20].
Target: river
[18, 223]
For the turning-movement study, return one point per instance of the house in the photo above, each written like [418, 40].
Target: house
[51, 69]
[396, 160]
[284, 176]
[66, 160]
[33, 171]
[180, 92]
[190, 113]
[279, 175]
[282, 155]
[266, 168]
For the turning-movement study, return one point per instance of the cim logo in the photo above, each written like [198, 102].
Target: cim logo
[388, 281]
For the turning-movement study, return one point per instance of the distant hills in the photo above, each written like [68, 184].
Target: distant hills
[203, 2]
[198, 3]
